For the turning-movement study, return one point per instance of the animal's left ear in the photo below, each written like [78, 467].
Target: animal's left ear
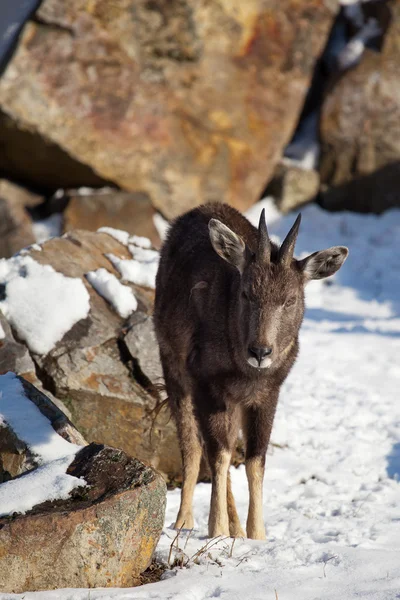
[227, 244]
[323, 263]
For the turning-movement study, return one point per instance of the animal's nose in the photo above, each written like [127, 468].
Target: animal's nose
[260, 352]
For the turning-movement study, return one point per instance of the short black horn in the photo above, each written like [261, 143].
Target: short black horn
[287, 249]
[264, 244]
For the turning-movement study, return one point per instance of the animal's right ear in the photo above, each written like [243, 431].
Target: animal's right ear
[227, 244]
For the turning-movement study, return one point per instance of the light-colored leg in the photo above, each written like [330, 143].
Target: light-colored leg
[235, 528]
[192, 451]
[218, 522]
[255, 476]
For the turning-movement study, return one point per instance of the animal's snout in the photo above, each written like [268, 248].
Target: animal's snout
[259, 354]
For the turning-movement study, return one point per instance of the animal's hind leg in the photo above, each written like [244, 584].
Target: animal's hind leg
[191, 450]
[189, 441]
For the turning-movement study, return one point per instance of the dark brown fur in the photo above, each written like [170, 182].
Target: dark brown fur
[215, 300]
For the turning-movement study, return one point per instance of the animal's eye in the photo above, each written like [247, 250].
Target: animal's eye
[290, 302]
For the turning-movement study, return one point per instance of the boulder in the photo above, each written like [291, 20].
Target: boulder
[103, 535]
[104, 366]
[15, 456]
[36, 161]
[360, 130]
[292, 186]
[91, 209]
[185, 102]
[15, 224]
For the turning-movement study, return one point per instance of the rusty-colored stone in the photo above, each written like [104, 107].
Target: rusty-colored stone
[187, 102]
[129, 211]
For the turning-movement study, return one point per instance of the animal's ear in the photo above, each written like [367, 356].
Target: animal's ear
[323, 263]
[227, 244]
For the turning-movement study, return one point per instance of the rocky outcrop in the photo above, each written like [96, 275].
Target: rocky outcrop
[185, 102]
[15, 224]
[104, 367]
[104, 535]
[360, 130]
[15, 456]
[292, 186]
[91, 209]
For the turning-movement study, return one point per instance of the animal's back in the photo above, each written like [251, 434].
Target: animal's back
[187, 251]
[188, 260]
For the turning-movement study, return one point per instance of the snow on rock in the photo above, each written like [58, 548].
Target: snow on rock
[118, 234]
[142, 242]
[40, 303]
[51, 451]
[28, 423]
[162, 226]
[142, 269]
[125, 238]
[46, 483]
[118, 295]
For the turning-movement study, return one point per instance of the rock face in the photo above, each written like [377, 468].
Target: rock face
[104, 536]
[15, 224]
[293, 186]
[129, 211]
[103, 368]
[15, 456]
[185, 102]
[360, 130]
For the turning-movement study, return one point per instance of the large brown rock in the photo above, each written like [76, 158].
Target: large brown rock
[360, 130]
[103, 536]
[103, 379]
[187, 102]
[92, 209]
[15, 224]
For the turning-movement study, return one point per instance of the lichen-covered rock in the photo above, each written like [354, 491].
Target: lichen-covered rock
[103, 536]
[184, 101]
[360, 130]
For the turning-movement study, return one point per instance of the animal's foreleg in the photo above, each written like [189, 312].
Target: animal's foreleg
[258, 425]
[235, 528]
[218, 522]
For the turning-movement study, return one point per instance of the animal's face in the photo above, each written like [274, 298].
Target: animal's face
[271, 311]
[271, 291]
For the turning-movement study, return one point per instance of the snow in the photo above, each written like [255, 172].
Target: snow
[52, 452]
[304, 150]
[351, 54]
[142, 269]
[2, 332]
[47, 228]
[125, 238]
[142, 242]
[41, 304]
[46, 483]
[118, 234]
[331, 491]
[162, 225]
[119, 296]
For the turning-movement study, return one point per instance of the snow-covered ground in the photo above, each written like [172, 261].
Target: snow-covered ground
[332, 491]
